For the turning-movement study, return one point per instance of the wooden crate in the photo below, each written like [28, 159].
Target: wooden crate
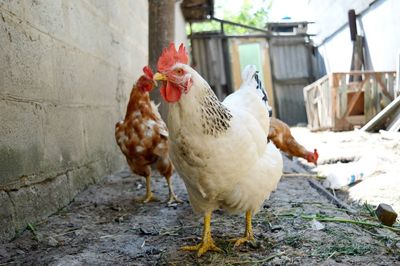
[336, 103]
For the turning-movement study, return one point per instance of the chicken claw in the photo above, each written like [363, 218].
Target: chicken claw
[149, 195]
[248, 235]
[148, 198]
[206, 243]
[172, 196]
[173, 199]
[203, 247]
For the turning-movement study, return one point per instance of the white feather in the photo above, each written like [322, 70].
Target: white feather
[236, 170]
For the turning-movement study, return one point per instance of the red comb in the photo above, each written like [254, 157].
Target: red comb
[170, 56]
[313, 157]
[316, 155]
[148, 72]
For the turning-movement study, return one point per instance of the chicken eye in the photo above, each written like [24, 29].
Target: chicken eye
[179, 71]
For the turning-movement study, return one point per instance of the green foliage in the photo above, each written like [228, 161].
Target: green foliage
[247, 16]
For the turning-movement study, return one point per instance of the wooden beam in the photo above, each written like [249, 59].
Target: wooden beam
[161, 33]
[381, 117]
[394, 125]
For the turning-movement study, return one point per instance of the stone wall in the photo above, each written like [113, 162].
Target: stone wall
[66, 70]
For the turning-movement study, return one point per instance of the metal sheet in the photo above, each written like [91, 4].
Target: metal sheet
[208, 60]
[291, 72]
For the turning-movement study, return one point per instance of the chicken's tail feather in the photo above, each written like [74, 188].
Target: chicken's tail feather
[251, 75]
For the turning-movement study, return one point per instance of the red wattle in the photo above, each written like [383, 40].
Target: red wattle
[170, 92]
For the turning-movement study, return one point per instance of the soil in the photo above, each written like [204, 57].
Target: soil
[104, 225]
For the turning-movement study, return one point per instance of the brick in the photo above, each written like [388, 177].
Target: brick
[7, 227]
[29, 62]
[21, 140]
[35, 202]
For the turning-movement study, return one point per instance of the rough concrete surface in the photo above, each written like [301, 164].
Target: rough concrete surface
[66, 71]
[104, 225]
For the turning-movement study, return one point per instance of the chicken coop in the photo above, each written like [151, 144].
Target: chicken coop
[344, 100]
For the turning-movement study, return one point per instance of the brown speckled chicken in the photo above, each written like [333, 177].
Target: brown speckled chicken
[143, 136]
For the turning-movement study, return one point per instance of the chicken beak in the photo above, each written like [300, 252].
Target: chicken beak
[159, 76]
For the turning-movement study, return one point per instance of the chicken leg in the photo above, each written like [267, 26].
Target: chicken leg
[149, 195]
[248, 234]
[172, 196]
[206, 243]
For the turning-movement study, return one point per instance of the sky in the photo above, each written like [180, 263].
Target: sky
[295, 9]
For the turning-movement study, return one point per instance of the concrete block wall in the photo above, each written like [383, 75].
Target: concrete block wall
[66, 71]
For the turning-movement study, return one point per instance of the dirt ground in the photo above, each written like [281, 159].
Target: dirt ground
[104, 225]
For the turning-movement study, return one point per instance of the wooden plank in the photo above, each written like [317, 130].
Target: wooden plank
[380, 118]
[333, 84]
[390, 85]
[327, 104]
[356, 120]
[381, 81]
[268, 77]
[369, 95]
[342, 107]
[363, 72]
[332, 103]
[315, 96]
[357, 59]
[394, 125]
[236, 74]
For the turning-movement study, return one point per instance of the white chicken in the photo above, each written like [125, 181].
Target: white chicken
[219, 149]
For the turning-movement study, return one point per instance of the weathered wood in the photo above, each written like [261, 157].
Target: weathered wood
[380, 78]
[333, 103]
[340, 204]
[356, 119]
[317, 101]
[342, 93]
[357, 61]
[390, 84]
[354, 99]
[333, 85]
[268, 78]
[380, 118]
[394, 125]
[352, 24]
[161, 33]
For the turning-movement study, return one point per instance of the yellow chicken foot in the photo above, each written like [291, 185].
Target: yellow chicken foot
[206, 243]
[172, 196]
[248, 234]
[149, 195]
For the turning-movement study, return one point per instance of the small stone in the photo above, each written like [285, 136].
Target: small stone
[3, 253]
[52, 242]
[153, 251]
[20, 251]
[276, 228]
[386, 214]
[119, 219]
[316, 225]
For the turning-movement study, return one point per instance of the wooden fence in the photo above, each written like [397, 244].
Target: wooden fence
[342, 100]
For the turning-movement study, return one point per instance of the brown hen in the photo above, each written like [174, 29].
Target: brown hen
[143, 136]
[280, 135]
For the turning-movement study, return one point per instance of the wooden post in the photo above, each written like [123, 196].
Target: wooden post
[161, 33]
